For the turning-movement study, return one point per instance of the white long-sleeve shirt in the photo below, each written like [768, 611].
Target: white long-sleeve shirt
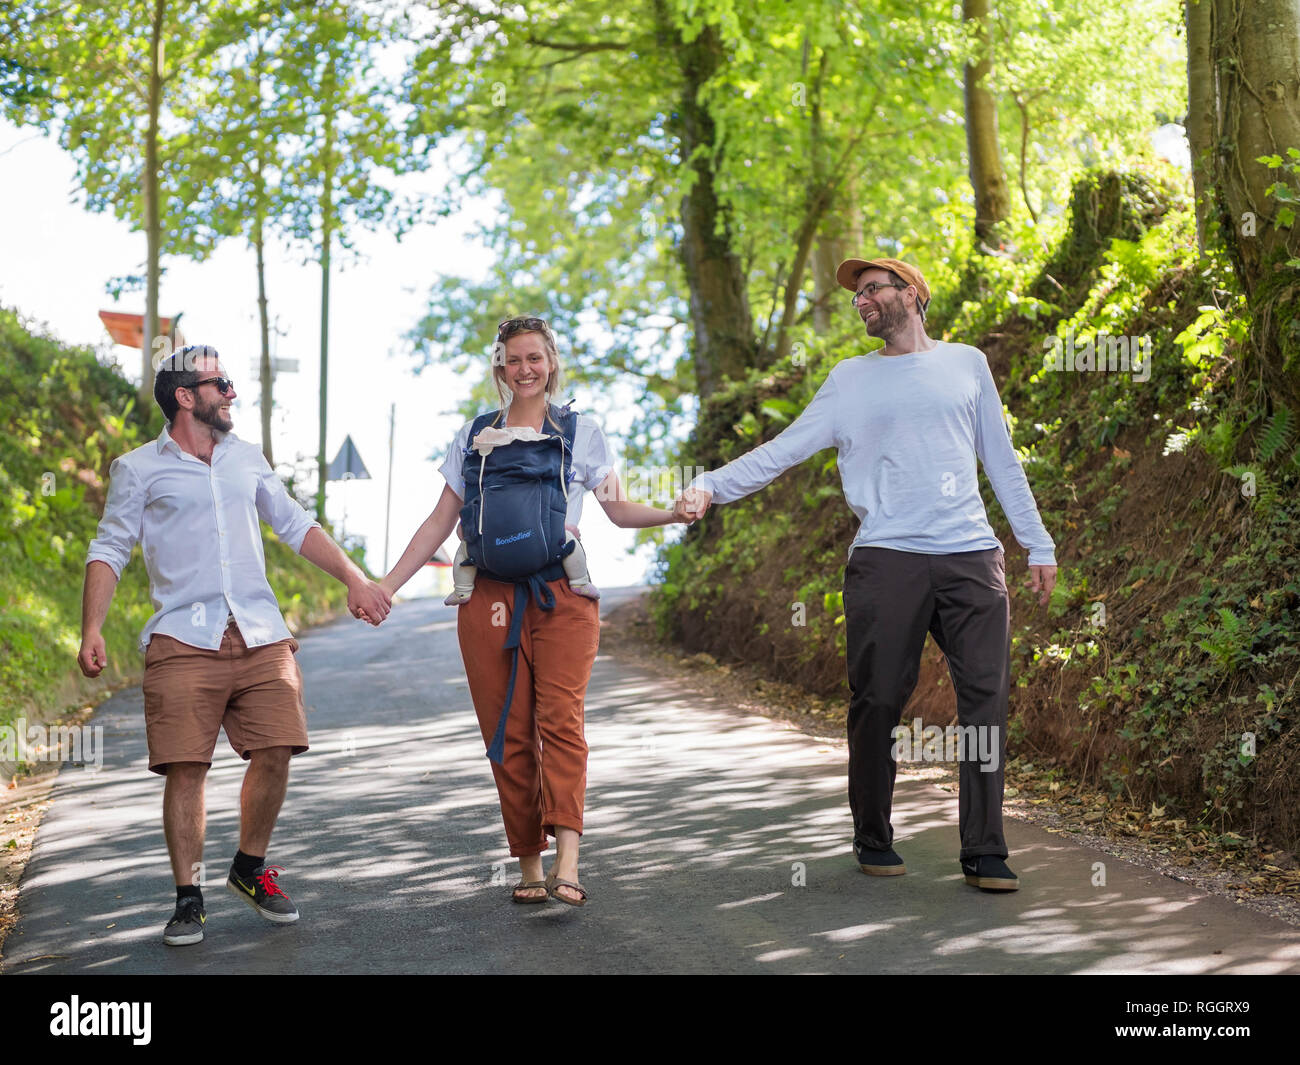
[908, 429]
[198, 527]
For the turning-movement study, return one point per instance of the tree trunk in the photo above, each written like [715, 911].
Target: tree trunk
[814, 211]
[820, 195]
[1200, 109]
[327, 219]
[839, 239]
[828, 253]
[724, 343]
[259, 244]
[1251, 75]
[987, 178]
[1255, 50]
[152, 226]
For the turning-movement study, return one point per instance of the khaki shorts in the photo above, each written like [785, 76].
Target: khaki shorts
[190, 693]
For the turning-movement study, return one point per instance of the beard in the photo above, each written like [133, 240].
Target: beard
[210, 414]
[892, 318]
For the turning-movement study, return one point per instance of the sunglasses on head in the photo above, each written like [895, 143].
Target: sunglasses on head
[512, 326]
[224, 384]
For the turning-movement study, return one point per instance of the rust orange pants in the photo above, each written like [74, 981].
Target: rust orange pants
[542, 779]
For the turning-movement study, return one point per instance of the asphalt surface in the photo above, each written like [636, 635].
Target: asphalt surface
[715, 842]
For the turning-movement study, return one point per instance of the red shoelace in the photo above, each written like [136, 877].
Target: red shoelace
[266, 879]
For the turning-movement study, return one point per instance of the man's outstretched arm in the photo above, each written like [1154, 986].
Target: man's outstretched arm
[366, 599]
[812, 431]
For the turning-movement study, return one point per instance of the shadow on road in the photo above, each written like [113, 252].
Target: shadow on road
[715, 842]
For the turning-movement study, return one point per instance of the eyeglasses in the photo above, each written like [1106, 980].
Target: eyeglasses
[224, 384]
[871, 288]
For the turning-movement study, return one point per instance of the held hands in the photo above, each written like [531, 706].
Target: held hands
[1042, 579]
[691, 505]
[369, 601]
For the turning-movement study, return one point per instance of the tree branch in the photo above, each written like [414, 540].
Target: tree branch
[582, 47]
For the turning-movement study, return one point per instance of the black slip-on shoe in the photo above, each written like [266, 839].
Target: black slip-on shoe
[262, 893]
[879, 863]
[989, 873]
[186, 925]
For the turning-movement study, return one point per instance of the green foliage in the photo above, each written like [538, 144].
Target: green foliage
[571, 114]
[89, 69]
[1048, 79]
[1283, 191]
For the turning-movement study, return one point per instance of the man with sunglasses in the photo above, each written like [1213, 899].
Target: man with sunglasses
[217, 650]
[909, 420]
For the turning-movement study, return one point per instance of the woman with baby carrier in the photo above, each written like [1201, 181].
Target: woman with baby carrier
[528, 620]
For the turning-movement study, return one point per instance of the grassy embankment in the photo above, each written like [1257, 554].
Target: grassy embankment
[63, 419]
[1164, 671]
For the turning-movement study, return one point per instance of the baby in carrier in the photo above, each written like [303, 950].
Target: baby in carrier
[464, 572]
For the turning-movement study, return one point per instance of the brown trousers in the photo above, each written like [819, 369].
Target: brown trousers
[542, 778]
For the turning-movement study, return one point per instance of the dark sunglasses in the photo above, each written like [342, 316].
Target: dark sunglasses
[224, 384]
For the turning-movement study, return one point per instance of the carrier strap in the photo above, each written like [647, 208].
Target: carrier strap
[545, 599]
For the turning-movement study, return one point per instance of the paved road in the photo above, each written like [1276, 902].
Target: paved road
[715, 842]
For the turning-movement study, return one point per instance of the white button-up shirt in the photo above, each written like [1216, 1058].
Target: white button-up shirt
[198, 527]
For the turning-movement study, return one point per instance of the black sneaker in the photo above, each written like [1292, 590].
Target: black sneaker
[262, 893]
[186, 925]
[988, 872]
[879, 863]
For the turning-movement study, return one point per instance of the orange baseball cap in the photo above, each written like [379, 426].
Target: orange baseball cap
[849, 269]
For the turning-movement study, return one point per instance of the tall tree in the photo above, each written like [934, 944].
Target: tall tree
[580, 116]
[734, 130]
[723, 331]
[987, 178]
[344, 164]
[831, 130]
[1201, 106]
[1244, 69]
[234, 181]
[116, 78]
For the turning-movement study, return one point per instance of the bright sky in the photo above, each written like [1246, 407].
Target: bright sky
[57, 258]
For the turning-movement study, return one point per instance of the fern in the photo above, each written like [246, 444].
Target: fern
[1277, 434]
[1228, 643]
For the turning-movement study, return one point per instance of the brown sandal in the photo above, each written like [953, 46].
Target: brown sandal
[553, 882]
[527, 884]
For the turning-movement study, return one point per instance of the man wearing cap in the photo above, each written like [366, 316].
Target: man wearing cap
[909, 421]
[217, 651]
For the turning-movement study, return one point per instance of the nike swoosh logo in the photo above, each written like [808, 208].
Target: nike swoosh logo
[245, 888]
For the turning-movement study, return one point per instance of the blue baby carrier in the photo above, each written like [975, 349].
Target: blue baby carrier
[516, 500]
